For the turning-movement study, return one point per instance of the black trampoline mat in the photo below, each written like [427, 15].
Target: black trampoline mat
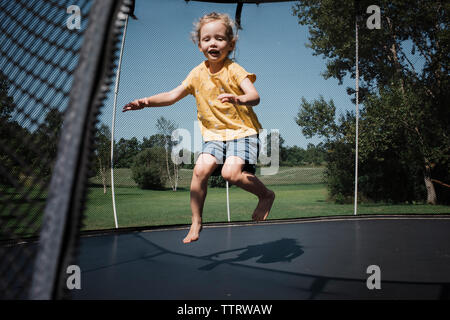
[325, 259]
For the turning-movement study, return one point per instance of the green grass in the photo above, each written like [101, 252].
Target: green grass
[301, 195]
[21, 212]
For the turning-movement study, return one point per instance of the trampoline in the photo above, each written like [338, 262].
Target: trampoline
[275, 260]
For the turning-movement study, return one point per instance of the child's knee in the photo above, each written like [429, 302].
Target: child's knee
[202, 172]
[230, 174]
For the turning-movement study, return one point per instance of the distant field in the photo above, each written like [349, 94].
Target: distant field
[300, 192]
[285, 175]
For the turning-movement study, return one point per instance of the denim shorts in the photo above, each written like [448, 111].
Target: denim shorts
[246, 148]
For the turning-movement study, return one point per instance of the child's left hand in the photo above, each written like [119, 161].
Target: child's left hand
[228, 97]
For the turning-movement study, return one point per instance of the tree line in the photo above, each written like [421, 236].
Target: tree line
[127, 149]
[26, 156]
[151, 162]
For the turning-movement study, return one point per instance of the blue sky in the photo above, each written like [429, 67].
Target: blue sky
[159, 54]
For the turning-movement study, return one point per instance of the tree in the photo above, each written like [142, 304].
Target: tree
[126, 150]
[16, 156]
[315, 154]
[6, 102]
[6, 132]
[165, 128]
[296, 156]
[317, 118]
[25, 154]
[103, 152]
[153, 141]
[47, 137]
[389, 71]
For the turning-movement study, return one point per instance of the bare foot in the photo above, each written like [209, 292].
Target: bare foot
[194, 233]
[264, 206]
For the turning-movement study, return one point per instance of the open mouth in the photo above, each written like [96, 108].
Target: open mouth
[214, 53]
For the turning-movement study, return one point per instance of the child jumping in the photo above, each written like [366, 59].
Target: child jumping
[225, 97]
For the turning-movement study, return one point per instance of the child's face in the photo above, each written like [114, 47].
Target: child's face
[213, 41]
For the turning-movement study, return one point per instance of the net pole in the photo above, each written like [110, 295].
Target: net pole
[237, 19]
[357, 119]
[235, 46]
[228, 203]
[113, 126]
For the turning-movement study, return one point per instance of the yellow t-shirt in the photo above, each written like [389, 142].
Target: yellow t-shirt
[221, 121]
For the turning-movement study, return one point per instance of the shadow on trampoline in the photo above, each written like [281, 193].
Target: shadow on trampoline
[283, 250]
[279, 251]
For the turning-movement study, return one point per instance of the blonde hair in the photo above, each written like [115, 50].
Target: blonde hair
[214, 16]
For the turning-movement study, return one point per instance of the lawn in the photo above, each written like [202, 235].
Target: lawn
[300, 192]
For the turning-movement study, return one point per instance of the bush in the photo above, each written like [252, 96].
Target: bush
[148, 170]
[217, 182]
[338, 172]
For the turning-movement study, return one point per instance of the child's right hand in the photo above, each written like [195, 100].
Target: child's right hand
[133, 105]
